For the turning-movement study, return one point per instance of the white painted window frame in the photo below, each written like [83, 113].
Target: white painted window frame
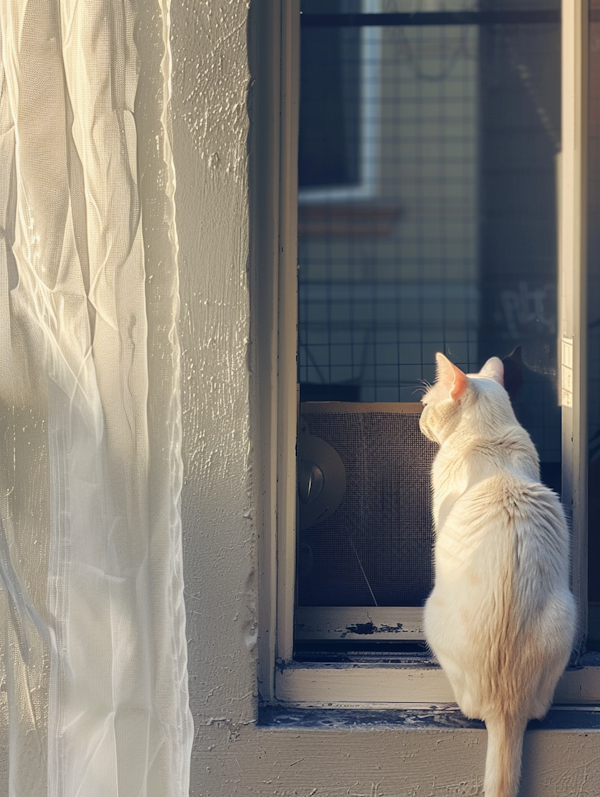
[281, 680]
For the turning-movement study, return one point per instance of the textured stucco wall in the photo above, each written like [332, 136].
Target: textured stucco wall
[232, 755]
[210, 122]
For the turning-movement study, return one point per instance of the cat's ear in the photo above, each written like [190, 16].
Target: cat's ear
[494, 369]
[451, 377]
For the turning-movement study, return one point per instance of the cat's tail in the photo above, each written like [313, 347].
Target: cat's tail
[503, 758]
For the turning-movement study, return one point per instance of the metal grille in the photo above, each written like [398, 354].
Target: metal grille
[440, 235]
[388, 263]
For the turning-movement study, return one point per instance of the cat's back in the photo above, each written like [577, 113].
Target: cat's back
[510, 450]
[466, 460]
[501, 607]
[513, 518]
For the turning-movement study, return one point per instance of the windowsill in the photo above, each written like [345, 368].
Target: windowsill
[417, 717]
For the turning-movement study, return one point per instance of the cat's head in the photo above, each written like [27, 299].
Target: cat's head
[478, 399]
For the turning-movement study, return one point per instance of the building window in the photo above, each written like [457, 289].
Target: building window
[339, 97]
[468, 242]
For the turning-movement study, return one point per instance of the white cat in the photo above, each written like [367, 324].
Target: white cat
[500, 619]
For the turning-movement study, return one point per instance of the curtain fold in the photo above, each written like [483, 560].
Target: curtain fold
[94, 654]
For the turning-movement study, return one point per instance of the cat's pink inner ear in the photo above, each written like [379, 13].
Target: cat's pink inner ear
[460, 383]
[451, 377]
[494, 369]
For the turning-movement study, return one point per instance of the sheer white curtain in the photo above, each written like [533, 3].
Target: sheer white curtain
[94, 689]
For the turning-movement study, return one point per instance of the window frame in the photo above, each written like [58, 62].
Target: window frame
[281, 679]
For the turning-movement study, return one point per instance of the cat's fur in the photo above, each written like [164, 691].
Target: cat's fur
[500, 618]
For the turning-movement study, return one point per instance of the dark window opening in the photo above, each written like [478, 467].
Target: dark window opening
[449, 245]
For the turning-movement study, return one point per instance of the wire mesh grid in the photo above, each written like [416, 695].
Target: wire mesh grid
[379, 294]
[432, 228]
[375, 549]
[440, 233]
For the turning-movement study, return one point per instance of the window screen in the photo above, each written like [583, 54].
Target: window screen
[427, 222]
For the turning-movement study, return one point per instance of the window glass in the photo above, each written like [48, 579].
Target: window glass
[427, 222]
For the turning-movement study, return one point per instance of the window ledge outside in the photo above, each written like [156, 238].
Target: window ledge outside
[415, 717]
